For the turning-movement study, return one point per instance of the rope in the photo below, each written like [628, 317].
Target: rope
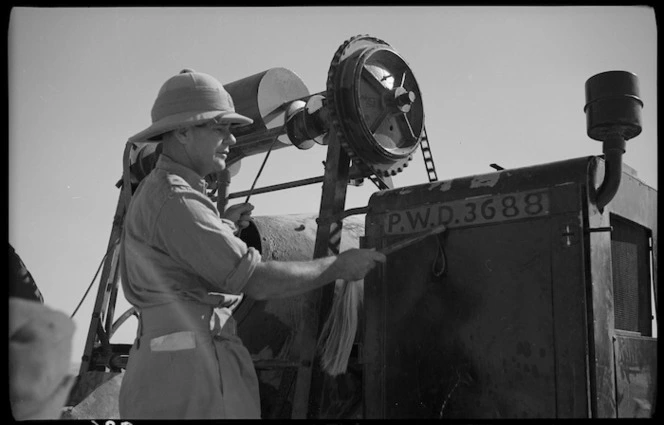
[89, 286]
[117, 220]
[253, 185]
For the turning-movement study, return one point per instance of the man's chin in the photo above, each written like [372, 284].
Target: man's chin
[219, 165]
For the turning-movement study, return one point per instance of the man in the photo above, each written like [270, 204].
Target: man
[181, 266]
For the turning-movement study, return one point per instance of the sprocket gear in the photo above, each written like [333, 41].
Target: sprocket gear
[375, 105]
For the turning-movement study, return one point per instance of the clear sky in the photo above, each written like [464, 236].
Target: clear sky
[499, 85]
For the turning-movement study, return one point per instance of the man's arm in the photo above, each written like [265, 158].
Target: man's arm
[281, 279]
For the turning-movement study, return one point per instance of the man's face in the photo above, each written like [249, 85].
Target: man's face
[210, 147]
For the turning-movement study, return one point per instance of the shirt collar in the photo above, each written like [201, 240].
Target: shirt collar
[190, 176]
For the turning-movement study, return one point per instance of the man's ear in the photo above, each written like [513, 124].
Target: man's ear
[182, 135]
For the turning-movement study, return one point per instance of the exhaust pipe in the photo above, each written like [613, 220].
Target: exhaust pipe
[613, 116]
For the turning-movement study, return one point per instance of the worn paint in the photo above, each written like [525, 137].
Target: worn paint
[442, 186]
[485, 180]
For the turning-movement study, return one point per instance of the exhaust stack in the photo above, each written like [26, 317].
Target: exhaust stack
[613, 116]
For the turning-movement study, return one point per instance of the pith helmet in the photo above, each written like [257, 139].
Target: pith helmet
[189, 98]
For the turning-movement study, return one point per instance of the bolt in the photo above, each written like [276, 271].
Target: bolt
[406, 98]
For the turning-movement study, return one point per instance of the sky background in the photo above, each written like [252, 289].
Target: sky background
[499, 85]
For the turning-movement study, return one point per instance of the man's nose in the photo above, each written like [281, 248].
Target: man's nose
[230, 139]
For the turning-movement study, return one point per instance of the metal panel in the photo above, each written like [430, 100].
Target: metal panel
[631, 276]
[373, 334]
[603, 403]
[503, 334]
[636, 375]
[574, 171]
[569, 312]
[456, 347]
[635, 202]
[478, 343]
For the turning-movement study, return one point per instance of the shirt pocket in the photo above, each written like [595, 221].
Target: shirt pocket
[184, 340]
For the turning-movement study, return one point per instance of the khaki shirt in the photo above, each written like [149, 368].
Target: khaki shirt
[175, 245]
[178, 261]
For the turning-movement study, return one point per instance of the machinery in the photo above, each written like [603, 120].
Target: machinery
[535, 302]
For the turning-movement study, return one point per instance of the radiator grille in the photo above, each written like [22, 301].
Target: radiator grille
[631, 276]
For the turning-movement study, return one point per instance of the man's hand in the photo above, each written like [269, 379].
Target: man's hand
[239, 214]
[354, 264]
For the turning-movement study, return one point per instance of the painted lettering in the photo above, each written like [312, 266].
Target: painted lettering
[418, 218]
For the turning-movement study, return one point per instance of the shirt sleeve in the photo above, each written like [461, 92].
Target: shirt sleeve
[193, 234]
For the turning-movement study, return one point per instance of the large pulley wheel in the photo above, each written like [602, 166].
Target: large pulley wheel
[375, 105]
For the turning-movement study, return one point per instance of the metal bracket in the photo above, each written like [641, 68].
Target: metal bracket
[599, 229]
[569, 234]
[382, 183]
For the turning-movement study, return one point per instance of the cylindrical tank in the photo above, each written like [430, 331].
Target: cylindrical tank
[613, 106]
[271, 330]
[264, 97]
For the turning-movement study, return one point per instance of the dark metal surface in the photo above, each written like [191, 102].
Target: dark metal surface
[521, 326]
[481, 342]
[570, 306]
[478, 343]
[524, 178]
[637, 203]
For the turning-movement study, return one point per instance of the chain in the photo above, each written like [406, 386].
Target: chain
[428, 158]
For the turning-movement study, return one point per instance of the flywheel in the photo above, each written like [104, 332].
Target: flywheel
[375, 105]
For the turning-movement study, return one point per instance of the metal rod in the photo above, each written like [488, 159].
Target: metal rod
[406, 242]
[288, 185]
[343, 214]
[255, 138]
[267, 155]
[600, 229]
[354, 211]
[280, 186]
